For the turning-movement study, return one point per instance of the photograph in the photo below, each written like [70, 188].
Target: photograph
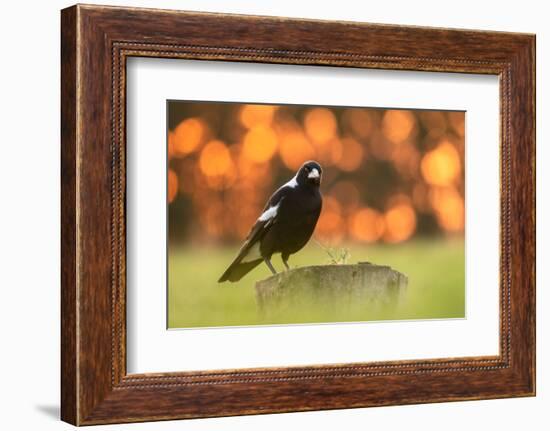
[301, 214]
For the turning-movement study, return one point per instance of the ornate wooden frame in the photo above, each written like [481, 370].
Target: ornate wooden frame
[95, 43]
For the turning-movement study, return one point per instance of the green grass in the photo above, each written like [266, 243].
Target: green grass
[436, 286]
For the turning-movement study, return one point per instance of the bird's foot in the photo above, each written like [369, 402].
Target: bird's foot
[270, 266]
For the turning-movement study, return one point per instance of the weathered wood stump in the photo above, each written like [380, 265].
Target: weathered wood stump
[356, 285]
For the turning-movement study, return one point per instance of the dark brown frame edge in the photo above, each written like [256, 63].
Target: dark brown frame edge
[95, 43]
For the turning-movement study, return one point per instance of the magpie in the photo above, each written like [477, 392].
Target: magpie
[285, 225]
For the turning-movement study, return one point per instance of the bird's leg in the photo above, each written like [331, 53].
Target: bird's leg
[270, 266]
[285, 261]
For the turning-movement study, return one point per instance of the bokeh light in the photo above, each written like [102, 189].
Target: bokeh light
[188, 136]
[215, 159]
[295, 149]
[347, 193]
[331, 223]
[360, 122]
[172, 185]
[260, 144]
[400, 223]
[257, 115]
[449, 207]
[397, 125]
[441, 166]
[352, 155]
[320, 124]
[367, 225]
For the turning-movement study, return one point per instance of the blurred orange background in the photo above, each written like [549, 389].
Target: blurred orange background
[388, 175]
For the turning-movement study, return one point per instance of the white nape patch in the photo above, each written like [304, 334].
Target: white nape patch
[253, 254]
[269, 213]
[313, 174]
[293, 183]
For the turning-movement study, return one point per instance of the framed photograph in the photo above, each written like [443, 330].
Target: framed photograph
[264, 215]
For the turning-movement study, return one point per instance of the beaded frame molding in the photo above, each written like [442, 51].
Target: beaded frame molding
[95, 43]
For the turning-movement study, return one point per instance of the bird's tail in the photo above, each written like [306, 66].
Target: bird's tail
[238, 270]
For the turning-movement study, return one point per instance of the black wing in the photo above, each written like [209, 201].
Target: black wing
[238, 268]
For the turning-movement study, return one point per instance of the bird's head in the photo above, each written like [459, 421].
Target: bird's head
[310, 174]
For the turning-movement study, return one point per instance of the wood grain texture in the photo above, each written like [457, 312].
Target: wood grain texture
[96, 41]
[69, 397]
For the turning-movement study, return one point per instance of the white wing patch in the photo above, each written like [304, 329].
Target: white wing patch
[253, 253]
[267, 216]
[293, 183]
[270, 213]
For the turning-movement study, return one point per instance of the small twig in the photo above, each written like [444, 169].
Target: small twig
[325, 249]
[337, 260]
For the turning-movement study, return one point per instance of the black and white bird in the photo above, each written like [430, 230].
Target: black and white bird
[285, 226]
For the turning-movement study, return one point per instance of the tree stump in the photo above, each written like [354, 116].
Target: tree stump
[355, 285]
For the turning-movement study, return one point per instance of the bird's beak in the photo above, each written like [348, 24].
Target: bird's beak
[313, 174]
